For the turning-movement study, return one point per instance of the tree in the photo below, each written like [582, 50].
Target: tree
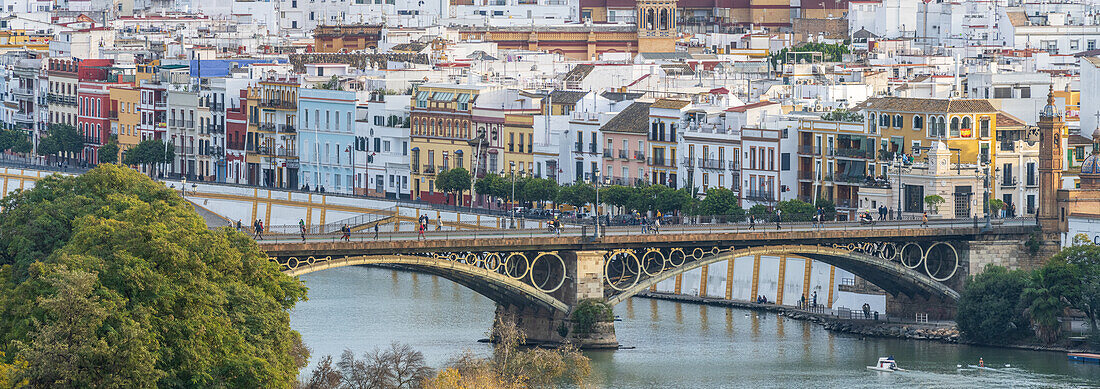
[828, 208]
[540, 189]
[761, 212]
[577, 194]
[616, 196]
[454, 181]
[934, 202]
[109, 153]
[149, 152]
[843, 115]
[1043, 298]
[1083, 290]
[990, 309]
[158, 296]
[492, 185]
[796, 210]
[996, 205]
[15, 140]
[61, 139]
[721, 202]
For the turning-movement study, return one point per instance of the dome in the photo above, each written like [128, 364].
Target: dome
[1091, 165]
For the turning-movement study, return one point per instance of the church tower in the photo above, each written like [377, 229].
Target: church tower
[1051, 129]
[656, 26]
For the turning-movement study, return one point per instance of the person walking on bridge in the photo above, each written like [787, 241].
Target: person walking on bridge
[258, 226]
[752, 222]
[347, 233]
[438, 223]
[302, 228]
[924, 220]
[376, 231]
[778, 218]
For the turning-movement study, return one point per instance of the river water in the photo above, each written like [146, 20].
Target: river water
[678, 345]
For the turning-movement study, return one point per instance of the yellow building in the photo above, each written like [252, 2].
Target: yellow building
[125, 117]
[908, 125]
[441, 132]
[21, 39]
[519, 134]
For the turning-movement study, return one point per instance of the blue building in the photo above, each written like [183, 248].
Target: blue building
[326, 140]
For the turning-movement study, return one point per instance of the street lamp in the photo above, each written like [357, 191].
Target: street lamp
[512, 206]
[984, 169]
[596, 207]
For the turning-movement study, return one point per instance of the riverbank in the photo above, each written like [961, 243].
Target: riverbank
[871, 328]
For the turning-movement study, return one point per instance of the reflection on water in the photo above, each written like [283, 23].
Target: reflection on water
[677, 345]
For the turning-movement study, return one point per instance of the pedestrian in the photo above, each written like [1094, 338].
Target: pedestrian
[866, 311]
[778, 218]
[347, 233]
[752, 222]
[814, 299]
[420, 231]
[924, 220]
[238, 224]
[259, 228]
[302, 229]
[438, 223]
[657, 226]
[802, 302]
[375, 231]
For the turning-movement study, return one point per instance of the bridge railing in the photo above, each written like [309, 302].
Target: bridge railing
[290, 233]
[334, 227]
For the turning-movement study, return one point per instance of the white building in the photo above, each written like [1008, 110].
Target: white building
[382, 145]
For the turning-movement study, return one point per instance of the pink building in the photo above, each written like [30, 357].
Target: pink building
[624, 139]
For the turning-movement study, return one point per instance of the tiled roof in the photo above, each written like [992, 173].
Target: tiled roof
[566, 96]
[917, 105]
[1006, 120]
[747, 107]
[621, 96]
[579, 72]
[678, 69]
[1017, 18]
[670, 103]
[635, 118]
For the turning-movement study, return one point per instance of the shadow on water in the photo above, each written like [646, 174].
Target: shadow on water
[365, 308]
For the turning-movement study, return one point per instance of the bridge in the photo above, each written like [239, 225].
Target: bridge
[539, 276]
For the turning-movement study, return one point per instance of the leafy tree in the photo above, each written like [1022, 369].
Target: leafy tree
[540, 189]
[761, 212]
[577, 194]
[109, 153]
[934, 202]
[1083, 291]
[721, 201]
[843, 115]
[1043, 298]
[453, 181]
[616, 196]
[149, 152]
[796, 210]
[15, 140]
[828, 208]
[114, 271]
[61, 139]
[996, 205]
[492, 185]
[990, 309]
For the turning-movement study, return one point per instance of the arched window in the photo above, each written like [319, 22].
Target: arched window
[650, 19]
[966, 123]
[884, 120]
[918, 123]
[942, 127]
[954, 127]
[897, 121]
[871, 122]
[664, 19]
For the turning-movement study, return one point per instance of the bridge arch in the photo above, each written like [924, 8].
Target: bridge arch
[894, 277]
[487, 282]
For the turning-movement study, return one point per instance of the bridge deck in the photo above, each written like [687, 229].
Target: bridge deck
[627, 237]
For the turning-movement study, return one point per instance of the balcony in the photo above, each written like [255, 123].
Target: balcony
[185, 150]
[578, 147]
[639, 155]
[112, 114]
[428, 169]
[22, 92]
[1009, 181]
[711, 164]
[286, 128]
[658, 162]
[60, 99]
[735, 165]
[1008, 146]
[855, 153]
[269, 127]
[23, 117]
[276, 152]
[188, 124]
[844, 203]
[592, 148]
[759, 195]
[607, 154]
[689, 162]
[805, 175]
[1032, 181]
[809, 150]
[623, 154]
[850, 179]
[279, 104]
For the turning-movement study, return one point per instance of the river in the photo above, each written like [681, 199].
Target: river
[678, 345]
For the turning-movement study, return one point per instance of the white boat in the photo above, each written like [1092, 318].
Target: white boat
[886, 364]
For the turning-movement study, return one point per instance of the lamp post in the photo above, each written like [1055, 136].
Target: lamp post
[984, 170]
[512, 206]
[596, 207]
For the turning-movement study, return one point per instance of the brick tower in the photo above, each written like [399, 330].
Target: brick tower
[1051, 129]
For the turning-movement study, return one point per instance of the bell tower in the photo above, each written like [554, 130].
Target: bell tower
[1051, 129]
[656, 26]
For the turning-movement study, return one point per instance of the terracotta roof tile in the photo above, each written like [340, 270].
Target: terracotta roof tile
[1006, 120]
[670, 103]
[634, 119]
[908, 104]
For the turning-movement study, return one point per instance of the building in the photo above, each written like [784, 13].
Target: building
[272, 143]
[345, 38]
[125, 118]
[624, 153]
[961, 186]
[183, 133]
[382, 144]
[327, 140]
[236, 130]
[665, 118]
[441, 130]
[62, 88]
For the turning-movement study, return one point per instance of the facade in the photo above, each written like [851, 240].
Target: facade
[327, 137]
[183, 133]
[345, 38]
[272, 144]
[441, 130]
[665, 118]
[382, 144]
[125, 116]
[624, 139]
[236, 130]
[62, 85]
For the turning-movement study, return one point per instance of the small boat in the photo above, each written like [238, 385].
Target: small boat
[886, 364]
[1084, 357]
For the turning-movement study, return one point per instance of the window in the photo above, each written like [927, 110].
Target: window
[954, 127]
[1091, 45]
[983, 128]
[1025, 92]
[884, 120]
[871, 122]
[1002, 93]
[897, 121]
[914, 198]
[918, 123]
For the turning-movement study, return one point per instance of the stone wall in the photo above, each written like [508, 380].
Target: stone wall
[1010, 251]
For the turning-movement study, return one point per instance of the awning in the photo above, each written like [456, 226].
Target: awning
[415, 149]
[463, 98]
[458, 152]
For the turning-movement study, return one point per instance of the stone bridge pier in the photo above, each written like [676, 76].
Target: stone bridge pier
[584, 279]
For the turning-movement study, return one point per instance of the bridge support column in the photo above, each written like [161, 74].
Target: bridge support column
[585, 272]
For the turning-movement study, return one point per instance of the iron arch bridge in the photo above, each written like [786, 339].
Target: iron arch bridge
[550, 280]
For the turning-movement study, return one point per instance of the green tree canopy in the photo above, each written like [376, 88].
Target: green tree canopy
[828, 208]
[63, 139]
[796, 210]
[149, 152]
[15, 140]
[491, 185]
[990, 309]
[540, 189]
[454, 181]
[109, 153]
[119, 278]
[721, 201]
